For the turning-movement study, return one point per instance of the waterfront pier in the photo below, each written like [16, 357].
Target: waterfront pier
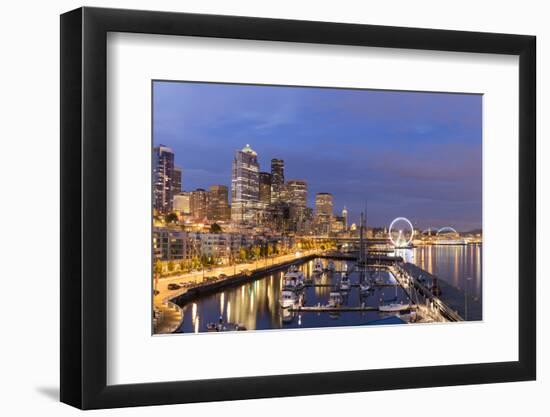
[423, 288]
[419, 299]
[319, 309]
[243, 275]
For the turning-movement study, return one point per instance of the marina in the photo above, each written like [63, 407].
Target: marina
[285, 236]
[307, 293]
[359, 282]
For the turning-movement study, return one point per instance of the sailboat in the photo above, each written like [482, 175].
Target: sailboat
[394, 307]
[379, 279]
[365, 285]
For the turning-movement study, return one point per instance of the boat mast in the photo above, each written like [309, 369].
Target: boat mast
[361, 242]
[362, 237]
[366, 246]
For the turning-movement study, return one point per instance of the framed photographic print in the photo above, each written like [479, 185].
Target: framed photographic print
[242, 195]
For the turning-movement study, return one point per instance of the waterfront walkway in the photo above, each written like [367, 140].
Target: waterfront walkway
[169, 318]
[171, 321]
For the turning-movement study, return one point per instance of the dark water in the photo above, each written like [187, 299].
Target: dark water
[454, 264]
[460, 267]
[255, 305]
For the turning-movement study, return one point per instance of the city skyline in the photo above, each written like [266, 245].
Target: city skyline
[434, 179]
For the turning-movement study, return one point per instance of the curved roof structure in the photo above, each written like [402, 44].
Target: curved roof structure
[447, 229]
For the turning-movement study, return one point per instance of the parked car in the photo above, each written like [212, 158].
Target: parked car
[173, 286]
[222, 276]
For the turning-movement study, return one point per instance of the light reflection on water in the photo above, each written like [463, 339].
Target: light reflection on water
[255, 305]
[454, 264]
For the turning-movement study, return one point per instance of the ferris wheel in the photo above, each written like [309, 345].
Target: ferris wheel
[401, 232]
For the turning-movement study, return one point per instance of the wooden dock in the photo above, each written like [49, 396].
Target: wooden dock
[352, 285]
[377, 259]
[327, 309]
[419, 286]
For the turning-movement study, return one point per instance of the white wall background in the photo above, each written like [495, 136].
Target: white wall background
[29, 167]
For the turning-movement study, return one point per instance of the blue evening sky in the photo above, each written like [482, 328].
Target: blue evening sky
[408, 154]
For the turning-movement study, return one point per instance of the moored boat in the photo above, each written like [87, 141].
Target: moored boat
[220, 326]
[287, 315]
[215, 327]
[345, 283]
[378, 278]
[289, 298]
[394, 307]
[294, 279]
[318, 266]
[335, 299]
[365, 287]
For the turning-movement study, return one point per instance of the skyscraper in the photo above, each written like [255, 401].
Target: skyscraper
[323, 204]
[199, 203]
[297, 200]
[218, 205]
[163, 178]
[323, 213]
[182, 203]
[265, 187]
[277, 179]
[245, 185]
[337, 224]
[297, 192]
[345, 217]
[284, 194]
[176, 183]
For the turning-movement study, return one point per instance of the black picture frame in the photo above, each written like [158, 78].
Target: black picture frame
[84, 207]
